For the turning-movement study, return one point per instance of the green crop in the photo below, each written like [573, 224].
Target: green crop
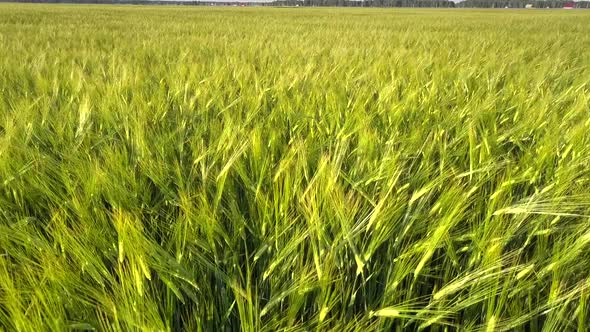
[266, 169]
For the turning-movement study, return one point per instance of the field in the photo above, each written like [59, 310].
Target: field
[266, 169]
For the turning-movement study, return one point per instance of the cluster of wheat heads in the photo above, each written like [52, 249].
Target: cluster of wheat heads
[219, 169]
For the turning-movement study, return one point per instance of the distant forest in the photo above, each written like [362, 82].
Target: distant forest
[343, 3]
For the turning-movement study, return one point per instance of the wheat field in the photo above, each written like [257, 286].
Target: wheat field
[273, 169]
